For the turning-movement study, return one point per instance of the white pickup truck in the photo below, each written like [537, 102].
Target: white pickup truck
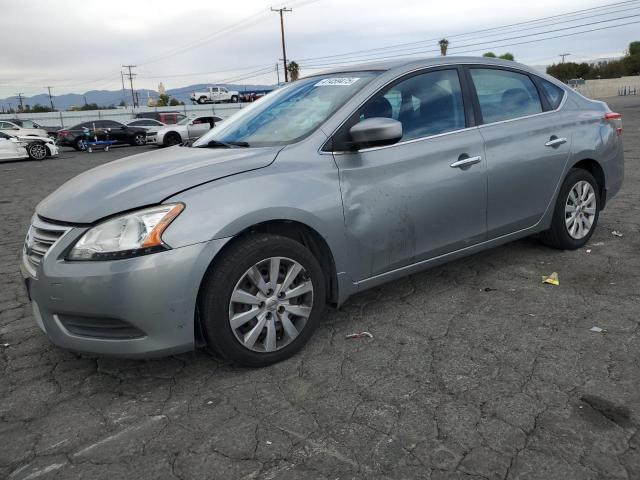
[215, 95]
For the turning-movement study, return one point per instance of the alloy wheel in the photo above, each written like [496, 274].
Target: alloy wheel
[270, 304]
[38, 151]
[580, 210]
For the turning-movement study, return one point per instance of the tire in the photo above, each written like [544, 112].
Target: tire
[202, 100]
[37, 151]
[565, 234]
[171, 139]
[138, 140]
[230, 274]
[234, 99]
[80, 145]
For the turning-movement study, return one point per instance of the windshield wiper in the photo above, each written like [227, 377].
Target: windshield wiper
[220, 143]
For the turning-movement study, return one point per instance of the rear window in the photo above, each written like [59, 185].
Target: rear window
[554, 93]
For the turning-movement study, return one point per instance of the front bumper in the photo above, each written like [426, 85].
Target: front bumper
[154, 294]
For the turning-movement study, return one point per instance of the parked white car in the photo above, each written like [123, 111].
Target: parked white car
[215, 95]
[11, 128]
[11, 148]
[183, 131]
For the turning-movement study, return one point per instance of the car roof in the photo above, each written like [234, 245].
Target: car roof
[407, 64]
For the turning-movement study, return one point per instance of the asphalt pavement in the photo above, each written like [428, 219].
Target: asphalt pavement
[476, 370]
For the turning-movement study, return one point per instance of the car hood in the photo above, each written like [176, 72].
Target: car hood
[147, 179]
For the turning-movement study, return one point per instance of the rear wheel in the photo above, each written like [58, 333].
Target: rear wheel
[262, 301]
[202, 100]
[576, 212]
[171, 139]
[37, 151]
[234, 99]
[80, 144]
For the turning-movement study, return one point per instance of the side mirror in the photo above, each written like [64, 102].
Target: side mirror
[373, 132]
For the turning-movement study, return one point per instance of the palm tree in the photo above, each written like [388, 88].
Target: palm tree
[444, 45]
[294, 71]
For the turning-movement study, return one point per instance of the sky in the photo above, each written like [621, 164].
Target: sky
[81, 45]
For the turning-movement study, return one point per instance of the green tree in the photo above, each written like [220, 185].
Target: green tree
[444, 46]
[174, 102]
[489, 55]
[294, 71]
[37, 108]
[631, 60]
[122, 103]
[507, 56]
[163, 101]
[634, 48]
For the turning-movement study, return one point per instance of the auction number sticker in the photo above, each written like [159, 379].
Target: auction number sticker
[337, 81]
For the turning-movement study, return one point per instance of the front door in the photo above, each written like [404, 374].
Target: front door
[421, 197]
[526, 150]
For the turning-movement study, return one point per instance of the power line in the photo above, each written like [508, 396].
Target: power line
[490, 42]
[281, 11]
[466, 34]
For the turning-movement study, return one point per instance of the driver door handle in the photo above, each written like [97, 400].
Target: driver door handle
[554, 142]
[466, 162]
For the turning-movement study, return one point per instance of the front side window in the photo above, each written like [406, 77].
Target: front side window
[290, 113]
[504, 94]
[28, 124]
[426, 104]
[554, 93]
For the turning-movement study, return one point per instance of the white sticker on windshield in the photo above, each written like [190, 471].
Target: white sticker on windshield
[337, 81]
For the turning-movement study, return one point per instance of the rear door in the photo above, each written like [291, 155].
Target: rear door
[9, 149]
[423, 196]
[527, 145]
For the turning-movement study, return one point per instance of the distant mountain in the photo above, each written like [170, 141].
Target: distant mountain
[114, 97]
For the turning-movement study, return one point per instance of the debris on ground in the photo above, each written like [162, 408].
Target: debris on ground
[269, 442]
[598, 244]
[531, 314]
[489, 289]
[359, 335]
[588, 250]
[616, 233]
[551, 279]
[5, 345]
[597, 329]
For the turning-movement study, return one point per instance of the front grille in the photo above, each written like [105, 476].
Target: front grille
[40, 238]
[98, 327]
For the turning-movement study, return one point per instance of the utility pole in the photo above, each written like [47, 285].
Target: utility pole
[131, 75]
[562, 55]
[284, 50]
[124, 96]
[19, 95]
[50, 98]
[278, 73]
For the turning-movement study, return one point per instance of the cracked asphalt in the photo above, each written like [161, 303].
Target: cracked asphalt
[476, 371]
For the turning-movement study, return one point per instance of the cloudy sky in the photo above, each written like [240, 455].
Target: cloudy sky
[76, 46]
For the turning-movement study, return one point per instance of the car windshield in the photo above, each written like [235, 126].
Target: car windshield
[288, 114]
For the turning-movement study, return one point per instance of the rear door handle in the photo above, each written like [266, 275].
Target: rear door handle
[466, 162]
[555, 141]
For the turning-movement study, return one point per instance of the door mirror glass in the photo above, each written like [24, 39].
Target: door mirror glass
[377, 131]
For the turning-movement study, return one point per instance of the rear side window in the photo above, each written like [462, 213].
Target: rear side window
[504, 94]
[554, 93]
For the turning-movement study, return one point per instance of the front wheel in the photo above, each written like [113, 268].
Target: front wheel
[262, 300]
[138, 140]
[80, 145]
[576, 212]
[37, 151]
[234, 99]
[171, 139]
[202, 100]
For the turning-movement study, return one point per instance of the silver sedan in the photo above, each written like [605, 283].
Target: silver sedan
[333, 184]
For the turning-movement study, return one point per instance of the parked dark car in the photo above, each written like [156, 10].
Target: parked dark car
[52, 131]
[168, 118]
[74, 136]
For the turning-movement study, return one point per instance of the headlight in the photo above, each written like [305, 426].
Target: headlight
[130, 235]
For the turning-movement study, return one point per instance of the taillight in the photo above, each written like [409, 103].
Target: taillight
[615, 116]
